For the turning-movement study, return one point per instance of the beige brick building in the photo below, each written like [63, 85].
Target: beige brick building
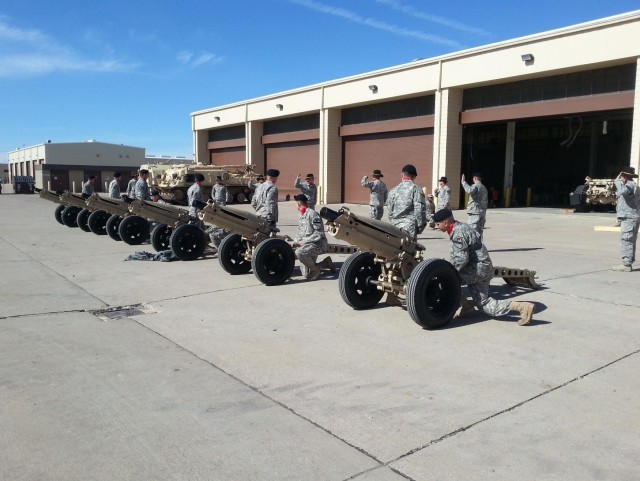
[536, 114]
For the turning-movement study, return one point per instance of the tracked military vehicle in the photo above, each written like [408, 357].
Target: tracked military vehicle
[593, 194]
[155, 172]
[177, 179]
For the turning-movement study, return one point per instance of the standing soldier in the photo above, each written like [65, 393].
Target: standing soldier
[478, 202]
[259, 182]
[406, 203]
[266, 199]
[114, 186]
[431, 209]
[378, 196]
[131, 186]
[219, 192]
[87, 187]
[142, 188]
[443, 194]
[155, 197]
[470, 258]
[309, 188]
[310, 240]
[627, 213]
[195, 194]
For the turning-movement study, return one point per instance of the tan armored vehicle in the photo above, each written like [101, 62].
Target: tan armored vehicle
[177, 179]
[594, 193]
[155, 172]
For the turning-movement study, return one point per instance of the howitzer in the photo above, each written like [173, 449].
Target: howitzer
[429, 288]
[253, 245]
[393, 263]
[54, 197]
[107, 218]
[174, 229]
[76, 213]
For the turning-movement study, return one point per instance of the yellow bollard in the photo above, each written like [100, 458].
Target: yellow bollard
[48, 185]
[507, 197]
[466, 198]
[73, 186]
[529, 196]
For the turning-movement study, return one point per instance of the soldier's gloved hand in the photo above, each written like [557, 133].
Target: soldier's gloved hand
[421, 228]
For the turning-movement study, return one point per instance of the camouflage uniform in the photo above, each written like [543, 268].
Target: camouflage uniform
[114, 189]
[471, 259]
[87, 189]
[194, 193]
[142, 190]
[407, 209]
[219, 194]
[477, 207]
[131, 188]
[310, 190]
[431, 209]
[266, 203]
[377, 198]
[311, 233]
[443, 194]
[627, 212]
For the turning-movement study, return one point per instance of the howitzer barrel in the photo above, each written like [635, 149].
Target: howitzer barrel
[379, 237]
[51, 196]
[163, 213]
[112, 206]
[74, 199]
[238, 221]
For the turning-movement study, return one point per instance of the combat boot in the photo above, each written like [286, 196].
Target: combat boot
[313, 273]
[525, 309]
[327, 263]
[622, 268]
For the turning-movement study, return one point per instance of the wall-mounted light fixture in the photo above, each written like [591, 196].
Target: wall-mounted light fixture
[373, 88]
[217, 119]
[279, 106]
[527, 58]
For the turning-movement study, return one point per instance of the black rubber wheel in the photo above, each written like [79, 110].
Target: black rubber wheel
[70, 215]
[188, 242]
[134, 230]
[97, 222]
[433, 293]
[273, 261]
[160, 237]
[354, 281]
[58, 213]
[82, 219]
[113, 224]
[231, 255]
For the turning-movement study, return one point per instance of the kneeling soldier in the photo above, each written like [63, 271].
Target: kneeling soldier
[310, 240]
[470, 257]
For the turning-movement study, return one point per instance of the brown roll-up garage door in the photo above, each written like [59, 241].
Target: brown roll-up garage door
[389, 152]
[228, 156]
[291, 159]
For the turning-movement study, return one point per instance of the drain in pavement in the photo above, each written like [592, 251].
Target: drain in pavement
[120, 312]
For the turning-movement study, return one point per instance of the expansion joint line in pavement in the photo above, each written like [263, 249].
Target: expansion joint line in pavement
[574, 296]
[511, 408]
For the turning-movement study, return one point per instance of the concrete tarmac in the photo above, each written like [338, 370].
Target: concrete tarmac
[115, 370]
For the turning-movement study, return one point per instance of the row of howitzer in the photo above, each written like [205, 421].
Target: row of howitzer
[383, 258]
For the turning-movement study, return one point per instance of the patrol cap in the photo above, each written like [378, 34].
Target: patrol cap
[218, 177]
[260, 177]
[409, 170]
[377, 173]
[309, 176]
[430, 196]
[442, 214]
[477, 174]
[134, 173]
[154, 192]
[301, 198]
[273, 173]
[199, 177]
[443, 179]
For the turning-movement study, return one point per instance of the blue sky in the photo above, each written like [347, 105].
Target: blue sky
[131, 72]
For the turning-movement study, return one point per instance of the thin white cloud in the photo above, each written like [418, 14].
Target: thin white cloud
[30, 53]
[374, 23]
[446, 22]
[192, 60]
